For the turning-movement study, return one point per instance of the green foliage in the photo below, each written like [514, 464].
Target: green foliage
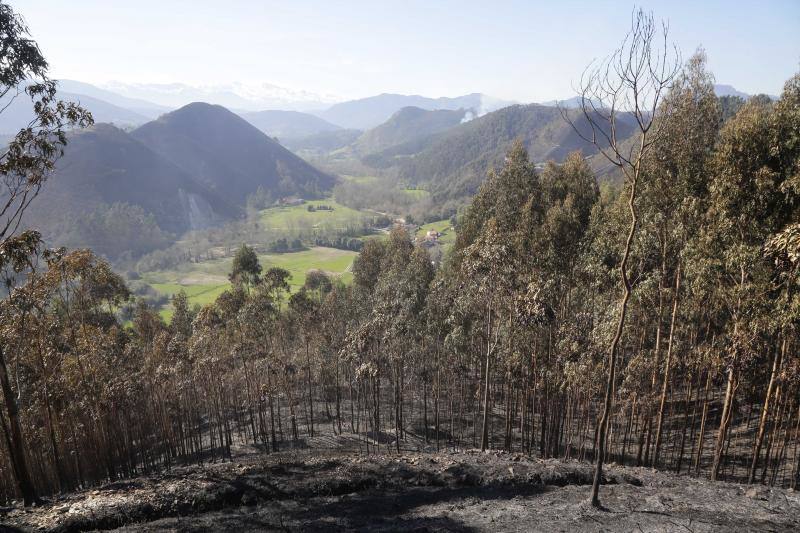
[246, 268]
[116, 231]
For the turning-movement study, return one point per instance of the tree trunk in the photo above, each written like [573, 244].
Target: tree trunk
[612, 359]
[15, 439]
[485, 432]
[723, 424]
[762, 425]
[667, 368]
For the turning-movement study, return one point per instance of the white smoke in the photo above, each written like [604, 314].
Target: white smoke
[487, 105]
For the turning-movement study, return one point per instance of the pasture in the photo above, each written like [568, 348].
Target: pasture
[298, 218]
[204, 281]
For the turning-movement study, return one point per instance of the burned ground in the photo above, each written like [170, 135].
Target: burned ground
[448, 491]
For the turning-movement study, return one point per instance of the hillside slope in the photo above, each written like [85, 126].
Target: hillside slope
[18, 113]
[145, 108]
[104, 165]
[407, 125]
[455, 164]
[228, 155]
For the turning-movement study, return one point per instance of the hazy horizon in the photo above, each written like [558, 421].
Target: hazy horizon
[517, 51]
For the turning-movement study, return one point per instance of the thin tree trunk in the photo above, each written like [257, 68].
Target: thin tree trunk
[667, 367]
[14, 437]
[723, 424]
[612, 360]
[762, 425]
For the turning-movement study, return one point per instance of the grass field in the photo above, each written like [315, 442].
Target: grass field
[361, 179]
[417, 194]
[298, 217]
[203, 282]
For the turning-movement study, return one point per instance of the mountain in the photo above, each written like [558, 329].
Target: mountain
[288, 124]
[103, 165]
[322, 143]
[729, 90]
[228, 155]
[455, 164]
[103, 111]
[407, 125]
[18, 113]
[139, 106]
[719, 89]
[370, 112]
[570, 103]
[239, 96]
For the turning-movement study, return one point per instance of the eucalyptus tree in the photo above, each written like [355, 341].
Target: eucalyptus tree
[25, 165]
[753, 166]
[399, 299]
[246, 269]
[782, 247]
[675, 190]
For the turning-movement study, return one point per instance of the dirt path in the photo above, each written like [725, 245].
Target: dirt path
[337, 491]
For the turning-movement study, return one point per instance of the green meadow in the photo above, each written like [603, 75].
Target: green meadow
[363, 180]
[203, 282]
[298, 217]
[417, 194]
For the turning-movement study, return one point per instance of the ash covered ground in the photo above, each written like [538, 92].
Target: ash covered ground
[312, 490]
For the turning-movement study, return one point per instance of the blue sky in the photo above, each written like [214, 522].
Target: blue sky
[526, 51]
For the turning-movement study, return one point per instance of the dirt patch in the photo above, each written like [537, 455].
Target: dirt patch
[467, 491]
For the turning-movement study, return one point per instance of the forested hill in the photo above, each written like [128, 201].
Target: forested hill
[408, 125]
[455, 164]
[229, 155]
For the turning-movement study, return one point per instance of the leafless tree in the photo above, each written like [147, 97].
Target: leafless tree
[627, 86]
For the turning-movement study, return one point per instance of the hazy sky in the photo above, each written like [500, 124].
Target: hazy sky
[527, 51]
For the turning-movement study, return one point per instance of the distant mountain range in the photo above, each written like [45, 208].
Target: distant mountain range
[720, 90]
[143, 107]
[276, 111]
[288, 124]
[729, 90]
[235, 96]
[287, 115]
[369, 112]
[19, 112]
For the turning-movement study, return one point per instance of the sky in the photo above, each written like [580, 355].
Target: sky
[528, 51]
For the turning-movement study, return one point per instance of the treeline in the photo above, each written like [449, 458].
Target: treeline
[118, 231]
[282, 246]
[504, 346]
[342, 243]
